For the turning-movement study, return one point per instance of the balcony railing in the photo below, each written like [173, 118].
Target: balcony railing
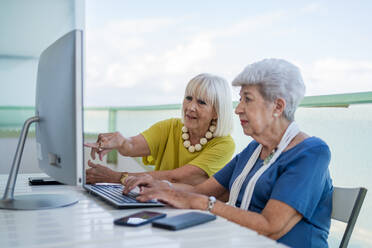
[12, 117]
[343, 121]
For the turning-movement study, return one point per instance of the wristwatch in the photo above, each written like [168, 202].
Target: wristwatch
[211, 202]
[124, 176]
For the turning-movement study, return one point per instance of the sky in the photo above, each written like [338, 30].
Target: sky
[144, 52]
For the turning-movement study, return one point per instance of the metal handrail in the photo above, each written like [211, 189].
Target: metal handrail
[333, 100]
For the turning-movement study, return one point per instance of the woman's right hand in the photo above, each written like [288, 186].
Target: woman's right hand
[151, 189]
[105, 143]
[173, 197]
[142, 181]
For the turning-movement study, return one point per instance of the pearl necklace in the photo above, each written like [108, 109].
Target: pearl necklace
[203, 141]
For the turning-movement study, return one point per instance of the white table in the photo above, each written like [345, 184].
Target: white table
[89, 223]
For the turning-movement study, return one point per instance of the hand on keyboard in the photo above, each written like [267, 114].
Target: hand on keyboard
[135, 191]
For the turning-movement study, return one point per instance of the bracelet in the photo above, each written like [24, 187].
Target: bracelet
[167, 182]
[124, 176]
[211, 201]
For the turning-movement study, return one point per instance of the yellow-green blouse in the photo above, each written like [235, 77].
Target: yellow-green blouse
[167, 150]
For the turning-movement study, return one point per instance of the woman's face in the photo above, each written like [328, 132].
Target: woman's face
[254, 112]
[198, 114]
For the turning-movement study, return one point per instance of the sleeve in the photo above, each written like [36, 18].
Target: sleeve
[224, 175]
[156, 135]
[301, 184]
[213, 158]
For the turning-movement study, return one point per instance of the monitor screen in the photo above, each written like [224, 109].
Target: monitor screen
[59, 124]
[59, 106]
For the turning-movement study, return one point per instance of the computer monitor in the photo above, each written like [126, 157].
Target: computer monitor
[59, 124]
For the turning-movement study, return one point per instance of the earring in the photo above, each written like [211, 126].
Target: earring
[276, 115]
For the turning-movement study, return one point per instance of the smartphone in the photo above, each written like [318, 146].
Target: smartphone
[139, 218]
[182, 221]
[42, 181]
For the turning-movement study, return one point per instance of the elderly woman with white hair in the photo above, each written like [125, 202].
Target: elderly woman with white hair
[279, 185]
[187, 150]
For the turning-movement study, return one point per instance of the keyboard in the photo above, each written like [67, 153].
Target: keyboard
[113, 194]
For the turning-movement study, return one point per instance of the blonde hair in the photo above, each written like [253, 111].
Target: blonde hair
[216, 91]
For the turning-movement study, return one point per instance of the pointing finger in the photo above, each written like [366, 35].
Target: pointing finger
[91, 145]
[93, 153]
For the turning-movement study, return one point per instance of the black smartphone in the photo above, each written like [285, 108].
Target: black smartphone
[139, 218]
[182, 221]
[42, 181]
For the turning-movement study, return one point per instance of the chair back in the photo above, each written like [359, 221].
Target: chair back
[346, 204]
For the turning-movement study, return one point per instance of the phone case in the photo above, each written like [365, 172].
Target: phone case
[182, 221]
[42, 181]
[121, 223]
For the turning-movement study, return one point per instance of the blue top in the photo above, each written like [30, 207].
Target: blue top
[299, 178]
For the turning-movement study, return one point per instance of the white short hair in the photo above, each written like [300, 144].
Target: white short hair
[276, 78]
[216, 91]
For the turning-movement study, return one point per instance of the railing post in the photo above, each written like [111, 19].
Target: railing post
[112, 157]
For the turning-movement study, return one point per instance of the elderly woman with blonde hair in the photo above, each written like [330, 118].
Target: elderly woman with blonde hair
[280, 184]
[187, 150]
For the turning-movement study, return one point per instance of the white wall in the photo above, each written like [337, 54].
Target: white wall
[26, 29]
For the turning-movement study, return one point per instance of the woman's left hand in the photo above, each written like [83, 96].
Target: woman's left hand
[101, 174]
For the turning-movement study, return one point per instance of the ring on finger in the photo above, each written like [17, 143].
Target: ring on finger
[100, 148]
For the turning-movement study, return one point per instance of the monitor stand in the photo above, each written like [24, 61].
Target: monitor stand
[31, 201]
